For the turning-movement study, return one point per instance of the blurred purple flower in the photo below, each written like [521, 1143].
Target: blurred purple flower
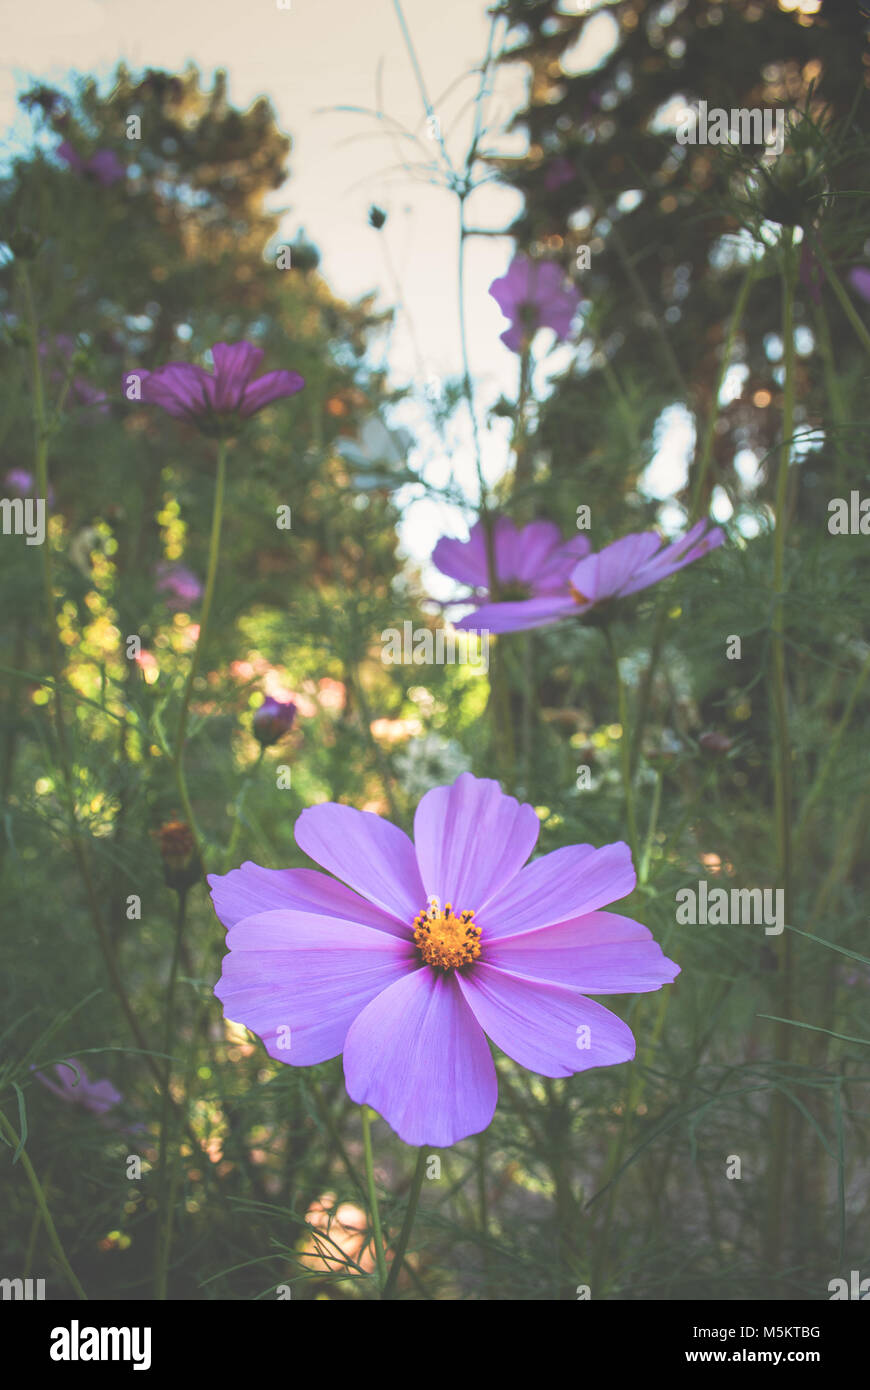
[179, 584]
[859, 279]
[529, 562]
[621, 568]
[273, 719]
[215, 400]
[20, 481]
[103, 165]
[432, 947]
[533, 295]
[95, 1096]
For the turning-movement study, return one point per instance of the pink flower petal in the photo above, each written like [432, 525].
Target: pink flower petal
[600, 953]
[549, 1029]
[464, 561]
[538, 541]
[370, 854]
[251, 889]
[417, 1055]
[604, 574]
[521, 616]
[559, 887]
[234, 365]
[271, 387]
[298, 980]
[471, 840]
[180, 388]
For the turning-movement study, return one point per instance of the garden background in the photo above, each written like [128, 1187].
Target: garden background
[717, 366]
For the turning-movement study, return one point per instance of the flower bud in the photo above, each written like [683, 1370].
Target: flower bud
[273, 720]
[182, 866]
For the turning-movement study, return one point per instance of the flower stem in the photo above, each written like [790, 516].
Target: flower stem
[380, 1258]
[780, 1109]
[845, 302]
[39, 1195]
[482, 1203]
[407, 1224]
[467, 385]
[237, 823]
[624, 749]
[211, 575]
[834, 390]
[724, 364]
[166, 1106]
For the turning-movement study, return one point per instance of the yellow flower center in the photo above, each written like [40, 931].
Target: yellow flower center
[578, 598]
[448, 939]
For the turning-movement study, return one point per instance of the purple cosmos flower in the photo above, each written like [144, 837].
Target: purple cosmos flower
[859, 279]
[534, 294]
[95, 1096]
[529, 563]
[273, 719]
[623, 567]
[214, 401]
[179, 584]
[103, 165]
[417, 951]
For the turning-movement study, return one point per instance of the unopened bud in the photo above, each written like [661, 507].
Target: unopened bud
[182, 866]
[273, 720]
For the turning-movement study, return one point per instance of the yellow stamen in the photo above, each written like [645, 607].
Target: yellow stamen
[448, 939]
[578, 598]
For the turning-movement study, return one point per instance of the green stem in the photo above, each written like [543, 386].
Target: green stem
[237, 823]
[211, 575]
[643, 870]
[831, 754]
[467, 386]
[780, 1110]
[522, 454]
[39, 1195]
[845, 302]
[624, 749]
[407, 1224]
[163, 1247]
[835, 394]
[166, 1106]
[377, 1232]
[482, 1203]
[724, 363]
